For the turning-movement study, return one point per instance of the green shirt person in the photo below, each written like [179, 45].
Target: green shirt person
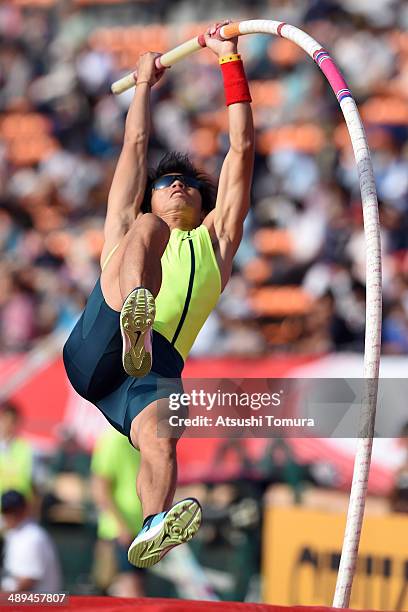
[115, 464]
[16, 459]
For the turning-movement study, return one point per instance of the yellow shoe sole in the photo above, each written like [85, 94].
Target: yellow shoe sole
[136, 320]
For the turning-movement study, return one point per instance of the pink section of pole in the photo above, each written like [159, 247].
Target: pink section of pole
[332, 73]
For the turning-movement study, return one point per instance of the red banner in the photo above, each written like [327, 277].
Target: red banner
[48, 403]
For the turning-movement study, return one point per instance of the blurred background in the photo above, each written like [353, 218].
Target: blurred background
[295, 305]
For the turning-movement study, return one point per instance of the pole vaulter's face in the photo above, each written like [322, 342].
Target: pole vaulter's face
[180, 194]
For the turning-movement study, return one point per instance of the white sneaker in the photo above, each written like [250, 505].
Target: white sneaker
[164, 531]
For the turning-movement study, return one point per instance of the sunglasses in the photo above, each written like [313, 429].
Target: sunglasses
[168, 179]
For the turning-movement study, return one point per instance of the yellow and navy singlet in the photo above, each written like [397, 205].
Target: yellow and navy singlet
[191, 286]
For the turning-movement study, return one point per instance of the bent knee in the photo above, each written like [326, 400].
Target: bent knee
[149, 225]
[153, 444]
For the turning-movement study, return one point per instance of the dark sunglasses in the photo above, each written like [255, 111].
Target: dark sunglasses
[168, 179]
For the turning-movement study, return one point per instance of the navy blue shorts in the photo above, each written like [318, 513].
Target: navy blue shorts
[93, 362]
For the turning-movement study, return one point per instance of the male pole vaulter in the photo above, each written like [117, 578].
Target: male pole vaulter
[162, 274]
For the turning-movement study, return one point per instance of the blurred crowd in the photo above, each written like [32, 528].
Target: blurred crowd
[299, 276]
[67, 518]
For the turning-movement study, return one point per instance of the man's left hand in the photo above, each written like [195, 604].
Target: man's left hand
[220, 47]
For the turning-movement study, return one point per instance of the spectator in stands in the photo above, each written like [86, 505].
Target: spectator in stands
[16, 460]
[115, 464]
[30, 560]
[70, 456]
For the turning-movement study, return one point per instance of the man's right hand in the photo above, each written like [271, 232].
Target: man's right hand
[146, 69]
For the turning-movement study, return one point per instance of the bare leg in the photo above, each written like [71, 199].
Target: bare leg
[128, 584]
[156, 480]
[156, 484]
[140, 265]
[136, 262]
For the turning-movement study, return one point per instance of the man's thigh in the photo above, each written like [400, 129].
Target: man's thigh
[93, 351]
[110, 284]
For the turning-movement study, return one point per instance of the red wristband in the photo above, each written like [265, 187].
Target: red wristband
[235, 83]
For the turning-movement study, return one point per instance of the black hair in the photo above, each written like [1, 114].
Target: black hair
[179, 163]
[12, 501]
[9, 407]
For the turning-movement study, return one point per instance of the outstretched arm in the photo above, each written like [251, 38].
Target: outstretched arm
[225, 223]
[129, 181]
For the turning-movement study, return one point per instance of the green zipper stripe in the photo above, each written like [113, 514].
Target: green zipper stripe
[189, 292]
